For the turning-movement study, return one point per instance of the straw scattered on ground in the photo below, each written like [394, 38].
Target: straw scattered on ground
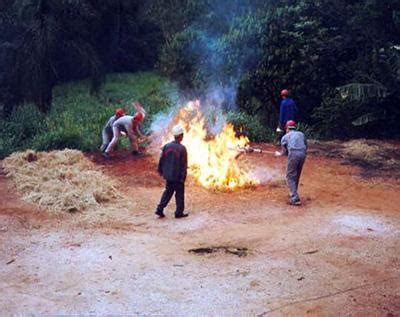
[375, 157]
[362, 149]
[60, 181]
[378, 154]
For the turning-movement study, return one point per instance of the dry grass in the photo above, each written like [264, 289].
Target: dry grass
[376, 157]
[364, 150]
[378, 153]
[60, 180]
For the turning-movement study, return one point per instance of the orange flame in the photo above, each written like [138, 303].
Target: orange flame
[212, 161]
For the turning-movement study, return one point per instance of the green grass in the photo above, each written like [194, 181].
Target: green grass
[77, 118]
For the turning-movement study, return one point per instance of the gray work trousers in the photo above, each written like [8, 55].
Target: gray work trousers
[106, 136]
[294, 166]
[116, 135]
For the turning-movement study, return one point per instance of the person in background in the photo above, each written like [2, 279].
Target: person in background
[173, 168]
[126, 125]
[107, 132]
[287, 112]
[294, 144]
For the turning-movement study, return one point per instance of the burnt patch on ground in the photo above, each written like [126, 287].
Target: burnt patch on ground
[238, 251]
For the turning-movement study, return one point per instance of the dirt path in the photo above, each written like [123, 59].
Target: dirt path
[339, 254]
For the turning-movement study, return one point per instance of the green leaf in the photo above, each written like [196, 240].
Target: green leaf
[366, 118]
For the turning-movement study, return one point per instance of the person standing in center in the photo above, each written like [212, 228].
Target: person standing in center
[173, 168]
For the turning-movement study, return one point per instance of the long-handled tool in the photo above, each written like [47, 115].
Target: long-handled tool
[248, 149]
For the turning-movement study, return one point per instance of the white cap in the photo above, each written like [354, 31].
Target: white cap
[177, 130]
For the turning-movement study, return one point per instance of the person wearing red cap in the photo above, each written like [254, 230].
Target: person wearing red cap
[287, 112]
[294, 144]
[107, 132]
[128, 125]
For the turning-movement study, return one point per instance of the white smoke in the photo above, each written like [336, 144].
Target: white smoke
[159, 127]
[266, 175]
[214, 103]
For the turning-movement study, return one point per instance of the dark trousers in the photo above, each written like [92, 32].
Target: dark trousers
[170, 188]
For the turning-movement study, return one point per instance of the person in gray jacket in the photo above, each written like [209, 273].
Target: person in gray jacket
[173, 168]
[294, 144]
[107, 132]
[128, 125]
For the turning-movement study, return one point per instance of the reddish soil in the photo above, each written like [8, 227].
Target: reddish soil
[338, 254]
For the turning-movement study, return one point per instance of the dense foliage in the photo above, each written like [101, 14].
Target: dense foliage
[77, 118]
[340, 59]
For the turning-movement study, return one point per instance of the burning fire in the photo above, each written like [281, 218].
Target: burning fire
[212, 159]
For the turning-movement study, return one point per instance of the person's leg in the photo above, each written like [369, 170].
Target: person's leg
[291, 177]
[114, 141]
[299, 169]
[179, 198]
[165, 198]
[106, 136]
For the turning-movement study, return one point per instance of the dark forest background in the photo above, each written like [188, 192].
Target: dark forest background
[340, 59]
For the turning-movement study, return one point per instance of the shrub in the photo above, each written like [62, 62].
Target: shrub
[251, 126]
[58, 140]
[21, 128]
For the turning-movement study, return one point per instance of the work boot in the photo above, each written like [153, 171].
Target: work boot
[160, 214]
[181, 215]
[295, 202]
[105, 155]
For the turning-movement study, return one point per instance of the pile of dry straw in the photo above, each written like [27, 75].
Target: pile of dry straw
[60, 180]
[372, 152]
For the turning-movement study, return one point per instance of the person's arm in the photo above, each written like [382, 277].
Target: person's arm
[284, 149]
[138, 132]
[130, 131]
[184, 163]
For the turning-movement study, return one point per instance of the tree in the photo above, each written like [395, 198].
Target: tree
[53, 31]
[61, 40]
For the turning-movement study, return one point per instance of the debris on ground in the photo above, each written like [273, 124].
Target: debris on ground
[311, 252]
[375, 157]
[60, 180]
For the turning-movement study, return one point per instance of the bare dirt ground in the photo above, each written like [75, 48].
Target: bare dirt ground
[241, 253]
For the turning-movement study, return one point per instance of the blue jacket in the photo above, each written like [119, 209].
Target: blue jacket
[288, 111]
